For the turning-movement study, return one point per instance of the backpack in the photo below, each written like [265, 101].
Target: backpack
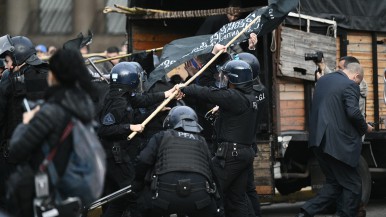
[85, 171]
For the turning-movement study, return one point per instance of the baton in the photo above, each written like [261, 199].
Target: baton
[113, 196]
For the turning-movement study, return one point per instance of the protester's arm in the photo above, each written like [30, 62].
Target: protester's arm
[249, 46]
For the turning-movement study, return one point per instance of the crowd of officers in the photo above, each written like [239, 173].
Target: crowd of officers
[174, 165]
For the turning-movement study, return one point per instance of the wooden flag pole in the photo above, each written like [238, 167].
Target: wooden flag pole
[111, 58]
[126, 55]
[166, 101]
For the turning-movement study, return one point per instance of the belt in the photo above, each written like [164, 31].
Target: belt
[193, 186]
[231, 145]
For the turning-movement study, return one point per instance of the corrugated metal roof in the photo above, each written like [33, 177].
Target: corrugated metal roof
[55, 16]
[116, 23]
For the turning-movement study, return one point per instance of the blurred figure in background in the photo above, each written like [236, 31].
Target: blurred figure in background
[41, 51]
[113, 52]
[124, 46]
[51, 50]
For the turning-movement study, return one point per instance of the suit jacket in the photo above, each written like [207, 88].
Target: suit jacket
[336, 123]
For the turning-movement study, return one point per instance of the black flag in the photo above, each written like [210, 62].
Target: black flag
[78, 42]
[181, 50]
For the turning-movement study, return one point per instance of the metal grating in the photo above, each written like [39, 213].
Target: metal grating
[55, 16]
[116, 23]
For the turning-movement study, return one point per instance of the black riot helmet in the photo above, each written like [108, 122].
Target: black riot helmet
[237, 71]
[125, 73]
[252, 61]
[182, 117]
[19, 47]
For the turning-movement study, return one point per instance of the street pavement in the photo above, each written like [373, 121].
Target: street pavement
[375, 208]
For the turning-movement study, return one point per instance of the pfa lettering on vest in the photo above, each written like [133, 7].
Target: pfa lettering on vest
[186, 135]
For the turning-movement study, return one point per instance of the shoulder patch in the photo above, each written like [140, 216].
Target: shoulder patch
[108, 119]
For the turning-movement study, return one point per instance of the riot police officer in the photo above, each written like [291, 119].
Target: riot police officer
[178, 166]
[25, 77]
[117, 122]
[260, 93]
[235, 131]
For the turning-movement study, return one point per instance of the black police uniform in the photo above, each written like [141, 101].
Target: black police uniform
[115, 119]
[181, 176]
[29, 82]
[206, 79]
[235, 133]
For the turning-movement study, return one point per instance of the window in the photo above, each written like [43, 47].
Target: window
[116, 23]
[55, 16]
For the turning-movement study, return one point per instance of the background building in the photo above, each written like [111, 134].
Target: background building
[53, 22]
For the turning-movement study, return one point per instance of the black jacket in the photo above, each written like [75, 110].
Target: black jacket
[117, 114]
[236, 111]
[48, 124]
[336, 122]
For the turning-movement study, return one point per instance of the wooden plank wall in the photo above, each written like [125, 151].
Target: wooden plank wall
[295, 44]
[291, 91]
[381, 70]
[360, 47]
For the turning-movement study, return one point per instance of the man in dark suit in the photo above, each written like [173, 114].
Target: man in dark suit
[336, 127]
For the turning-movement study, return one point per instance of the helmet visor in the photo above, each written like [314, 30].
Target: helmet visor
[142, 79]
[221, 80]
[6, 45]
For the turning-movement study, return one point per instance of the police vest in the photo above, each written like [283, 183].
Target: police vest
[29, 82]
[183, 152]
[240, 128]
